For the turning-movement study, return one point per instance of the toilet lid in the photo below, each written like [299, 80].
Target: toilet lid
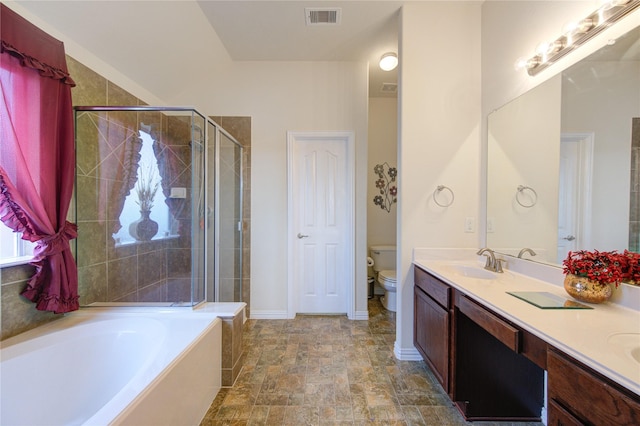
[389, 275]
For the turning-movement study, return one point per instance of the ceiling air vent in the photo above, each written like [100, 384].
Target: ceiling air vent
[389, 88]
[323, 15]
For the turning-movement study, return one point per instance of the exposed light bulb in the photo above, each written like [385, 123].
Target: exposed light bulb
[585, 25]
[388, 61]
[542, 50]
[609, 4]
[576, 33]
[573, 30]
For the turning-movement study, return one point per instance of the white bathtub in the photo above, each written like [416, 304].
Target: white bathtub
[104, 366]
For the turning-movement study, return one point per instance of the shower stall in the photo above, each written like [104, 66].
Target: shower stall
[158, 207]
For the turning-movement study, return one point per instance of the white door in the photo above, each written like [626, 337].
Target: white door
[574, 193]
[320, 223]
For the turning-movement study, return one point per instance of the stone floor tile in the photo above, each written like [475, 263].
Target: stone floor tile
[329, 370]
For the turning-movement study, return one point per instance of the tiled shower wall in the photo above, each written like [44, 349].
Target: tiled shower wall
[634, 209]
[152, 271]
[132, 278]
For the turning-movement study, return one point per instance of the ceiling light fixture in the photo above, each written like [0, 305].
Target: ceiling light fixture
[577, 34]
[389, 61]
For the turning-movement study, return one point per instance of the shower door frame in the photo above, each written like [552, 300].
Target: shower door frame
[240, 227]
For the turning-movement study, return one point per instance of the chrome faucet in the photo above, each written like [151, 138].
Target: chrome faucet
[526, 250]
[492, 264]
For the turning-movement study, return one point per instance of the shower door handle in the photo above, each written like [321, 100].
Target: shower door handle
[300, 236]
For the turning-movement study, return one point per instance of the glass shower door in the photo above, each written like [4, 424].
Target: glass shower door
[229, 208]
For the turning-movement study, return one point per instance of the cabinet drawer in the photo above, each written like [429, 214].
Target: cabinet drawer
[497, 327]
[588, 396]
[439, 291]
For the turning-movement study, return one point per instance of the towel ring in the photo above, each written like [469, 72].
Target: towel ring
[438, 190]
[521, 189]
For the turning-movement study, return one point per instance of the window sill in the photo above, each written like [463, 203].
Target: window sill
[15, 261]
[153, 240]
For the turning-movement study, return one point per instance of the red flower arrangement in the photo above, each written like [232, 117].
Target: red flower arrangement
[630, 263]
[603, 267]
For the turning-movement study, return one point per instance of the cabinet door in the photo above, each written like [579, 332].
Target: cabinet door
[589, 396]
[558, 416]
[431, 335]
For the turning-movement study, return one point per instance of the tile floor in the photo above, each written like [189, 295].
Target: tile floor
[328, 370]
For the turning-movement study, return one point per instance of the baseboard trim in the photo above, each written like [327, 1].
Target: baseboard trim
[406, 354]
[268, 314]
[360, 315]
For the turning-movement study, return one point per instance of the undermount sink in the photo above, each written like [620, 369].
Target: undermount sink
[474, 272]
[626, 344]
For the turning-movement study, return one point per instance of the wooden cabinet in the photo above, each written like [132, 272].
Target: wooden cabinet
[432, 324]
[493, 369]
[580, 396]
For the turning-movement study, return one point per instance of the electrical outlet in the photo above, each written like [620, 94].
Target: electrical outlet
[469, 225]
[489, 224]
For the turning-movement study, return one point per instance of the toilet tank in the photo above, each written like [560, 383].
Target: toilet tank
[384, 257]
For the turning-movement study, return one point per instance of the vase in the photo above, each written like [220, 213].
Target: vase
[586, 290]
[145, 228]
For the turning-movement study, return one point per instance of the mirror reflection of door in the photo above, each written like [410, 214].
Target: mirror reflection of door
[574, 192]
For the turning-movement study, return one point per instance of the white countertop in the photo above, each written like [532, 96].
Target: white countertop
[581, 333]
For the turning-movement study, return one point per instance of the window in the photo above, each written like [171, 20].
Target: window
[13, 249]
[148, 168]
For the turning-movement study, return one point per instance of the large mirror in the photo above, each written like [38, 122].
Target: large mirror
[562, 171]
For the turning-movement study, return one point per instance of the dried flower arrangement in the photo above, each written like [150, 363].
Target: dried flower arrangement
[146, 188]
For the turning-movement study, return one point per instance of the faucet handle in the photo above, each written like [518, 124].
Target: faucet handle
[498, 265]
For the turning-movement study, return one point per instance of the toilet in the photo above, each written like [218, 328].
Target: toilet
[384, 266]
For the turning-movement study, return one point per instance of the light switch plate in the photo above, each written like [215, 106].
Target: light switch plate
[469, 225]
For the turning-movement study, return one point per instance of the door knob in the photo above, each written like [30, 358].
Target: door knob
[300, 236]
[569, 238]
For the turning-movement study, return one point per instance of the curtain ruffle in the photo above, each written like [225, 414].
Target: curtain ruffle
[30, 62]
[10, 213]
[48, 302]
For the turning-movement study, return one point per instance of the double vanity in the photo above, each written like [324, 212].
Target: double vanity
[500, 357]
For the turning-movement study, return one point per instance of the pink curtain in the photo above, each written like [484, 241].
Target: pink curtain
[37, 157]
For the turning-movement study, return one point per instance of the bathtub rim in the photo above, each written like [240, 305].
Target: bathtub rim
[119, 403]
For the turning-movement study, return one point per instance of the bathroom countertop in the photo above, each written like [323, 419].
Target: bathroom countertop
[581, 333]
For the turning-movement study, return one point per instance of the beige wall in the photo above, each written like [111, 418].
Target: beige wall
[382, 148]
[439, 137]
[281, 97]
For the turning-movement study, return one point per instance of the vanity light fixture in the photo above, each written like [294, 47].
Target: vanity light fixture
[576, 34]
[389, 61]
